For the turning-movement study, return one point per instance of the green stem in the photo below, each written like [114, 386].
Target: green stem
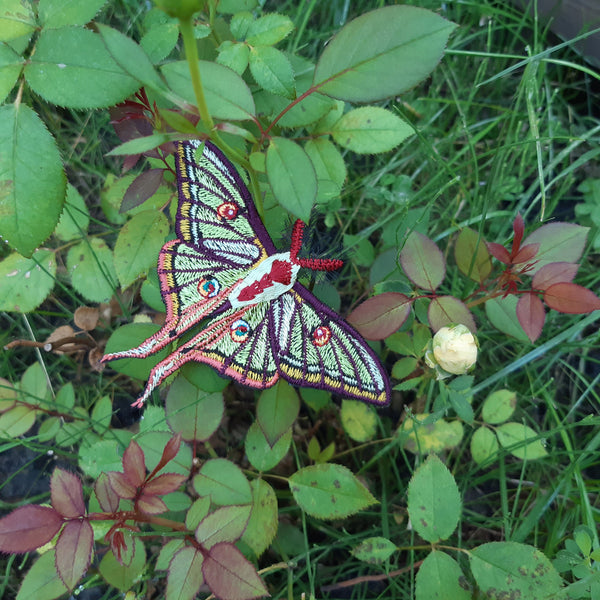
[191, 53]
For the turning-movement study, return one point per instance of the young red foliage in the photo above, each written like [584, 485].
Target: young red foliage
[66, 494]
[28, 528]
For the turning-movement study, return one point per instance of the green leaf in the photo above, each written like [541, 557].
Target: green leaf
[359, 420]
[138, 245]
[262, 455]
[272, 70]
[102, 414]
[204, 377]
[10, 68]
[16, 421]
[123, 577]
[509, 569]
[327, 160]
[382, 53]
[484, 445]
[466, 243]
[29, 206]
[423, 261]
[193, 413]
[499, 406]
[42, 581]
[16, 20]
[234, 55]
[161, 35]
[277, 409]
[434, 503]
[224, 524]
[127, 337]
[360, 248]
[33, 387]
[329, 491]
[227, 95]
[71, 67]
[502, 314]
[263, 523]
[370, 129]
[58, 13]
[99, 457]
[441, 577]
[269, 29]
[185, 574]
[234, 6]
[448, 310]
[130, 57]
[90, 264]
[514, 437]
[75, 217]
[139, 145]
[291, 176]
[26, 282]
[404, 367]
[374, 550]
[224, 482]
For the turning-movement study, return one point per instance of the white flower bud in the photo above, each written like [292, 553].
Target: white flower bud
[454, 349]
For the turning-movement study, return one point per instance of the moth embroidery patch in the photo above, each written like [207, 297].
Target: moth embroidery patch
[260, 323]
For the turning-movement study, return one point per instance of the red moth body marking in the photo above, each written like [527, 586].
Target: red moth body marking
[268, 280]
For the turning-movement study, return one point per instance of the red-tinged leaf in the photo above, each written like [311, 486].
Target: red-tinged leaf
[169, 453]
[121, 485]
[141, 188]
[526, 253]
[499, 252]
[164, 484]
[571, 298]
[151, 505]
[225, 524]
[184, 577]
[445, 310]
[519, 229]
[531, 315]
[422, 261]
[66, 494]
[28, 528]
[106, 496]
[122, 544]
[231, 576]
[557, 272]
[74, 551]
[134, 464]
[558, 242]
[381, 315]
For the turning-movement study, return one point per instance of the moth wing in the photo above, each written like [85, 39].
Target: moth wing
[215, 209]
[236, 343]
[317, 348]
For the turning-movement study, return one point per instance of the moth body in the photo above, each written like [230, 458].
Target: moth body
[267, 281]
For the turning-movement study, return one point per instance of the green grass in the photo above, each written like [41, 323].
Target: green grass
[507, 123]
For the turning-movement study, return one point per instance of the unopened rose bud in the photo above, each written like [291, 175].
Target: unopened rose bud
[454, 349]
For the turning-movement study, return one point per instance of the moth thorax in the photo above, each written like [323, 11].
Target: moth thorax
[268, 280]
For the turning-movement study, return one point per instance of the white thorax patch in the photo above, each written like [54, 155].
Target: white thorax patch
[268, 280]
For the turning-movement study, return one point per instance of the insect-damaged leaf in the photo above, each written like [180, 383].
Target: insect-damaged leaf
[329, 491]
[433, 501]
